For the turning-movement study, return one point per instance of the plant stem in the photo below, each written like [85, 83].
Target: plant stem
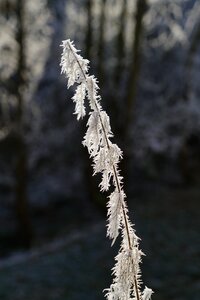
[116, 178]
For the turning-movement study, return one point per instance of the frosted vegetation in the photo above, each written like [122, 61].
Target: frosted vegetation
[106, 155]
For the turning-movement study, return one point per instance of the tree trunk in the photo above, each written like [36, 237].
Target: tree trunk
[130, 97]
[100, 66]
[21, 172]
[88, 37]
[120, 44]
[189, 63]
[135, 66]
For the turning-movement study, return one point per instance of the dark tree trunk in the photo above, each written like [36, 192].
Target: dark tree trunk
[100, 53]
[189, 63]
[120, 43]
[135, 66]
[21, 172]
[130, 97]
[88, 37]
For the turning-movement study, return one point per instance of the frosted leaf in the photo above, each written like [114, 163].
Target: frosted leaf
[92, 136]
[100, 161]
[100, 165]
[119, 178]
[133, 238]
[113, 293]
[72, 71]
[105, 182]
[79, 98]
[94, 98]
[114, 215]
[106, 123]
[123, 272]
[73, 64]
[136, 254]
[115, 154]
[147, 293]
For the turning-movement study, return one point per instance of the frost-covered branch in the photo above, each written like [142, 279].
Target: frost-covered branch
[106, 156]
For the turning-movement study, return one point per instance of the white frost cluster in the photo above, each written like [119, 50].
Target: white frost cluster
[106, 156]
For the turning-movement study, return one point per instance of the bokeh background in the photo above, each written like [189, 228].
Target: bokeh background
[146, 56]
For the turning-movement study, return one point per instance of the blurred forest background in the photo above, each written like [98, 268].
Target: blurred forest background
[146, 56]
